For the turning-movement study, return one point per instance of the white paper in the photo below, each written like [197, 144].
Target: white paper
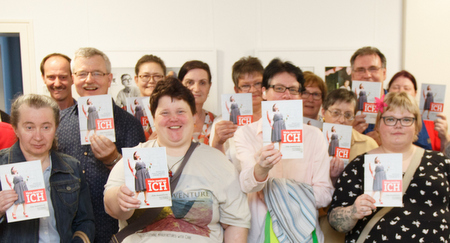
[432, 97]
[237, 108]
[367, 92]
[339, 139]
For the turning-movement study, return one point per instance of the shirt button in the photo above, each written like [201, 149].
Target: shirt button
[85, 153]
[84, 171]
[68, 188]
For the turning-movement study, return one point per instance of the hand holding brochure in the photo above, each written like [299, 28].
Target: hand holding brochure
[237, 108]
[339, 140]
[27, 180]
[432, 101]
[367, 92]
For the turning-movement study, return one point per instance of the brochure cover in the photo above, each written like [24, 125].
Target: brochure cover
[146, 171]
[383, 179]
[283, 126]
[367, 92]
[339, 139]
[27, 180]
[313, 122]
[432, 100]
[237, 108]
[96, 117]
[139, 107]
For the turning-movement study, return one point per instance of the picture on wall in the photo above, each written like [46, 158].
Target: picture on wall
[338, 77]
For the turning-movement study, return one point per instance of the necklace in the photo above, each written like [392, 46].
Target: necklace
[170, 169]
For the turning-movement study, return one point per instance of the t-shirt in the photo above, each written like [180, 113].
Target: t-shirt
[207, 194]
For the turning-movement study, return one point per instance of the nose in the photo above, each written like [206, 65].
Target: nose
[38, 135]
[57, 82]
[286, 95]
[341, 119]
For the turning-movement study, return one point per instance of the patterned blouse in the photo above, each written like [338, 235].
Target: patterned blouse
[425, 215]
[203, 137]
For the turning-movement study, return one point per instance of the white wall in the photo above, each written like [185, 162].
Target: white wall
[426, 46]
[309, 33]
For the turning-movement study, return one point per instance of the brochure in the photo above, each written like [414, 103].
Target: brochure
[313, 122]
[283, 126]
[95, 114]
[27, 179]
[383, 179]
[237, 108]
[339, 139]
[432, 98]
[139, 107]
[146, 171]
[367, 92]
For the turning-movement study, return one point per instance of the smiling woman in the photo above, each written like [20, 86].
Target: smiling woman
[207, 203]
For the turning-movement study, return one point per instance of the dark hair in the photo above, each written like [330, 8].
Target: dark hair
[339, 95]
[277, 66]
[149, 58]
[34, 101]
[55, 55]
[273, 107]
[12, 173]
[368, 50]
[134, 155]
[173, 88]
[246, 65]
[405, 74]
[315, 81]
[188, 66]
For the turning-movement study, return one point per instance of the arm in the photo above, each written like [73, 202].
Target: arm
[441, 126]
[328, 137]
[268, 118]
[84, 111]
[226, 106]
[131, 108]
[234, 234]
[83, 223]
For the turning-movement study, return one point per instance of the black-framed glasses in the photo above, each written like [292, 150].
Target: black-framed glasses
[315, 95]
[337, 113]
[372, 70]
[82, 75]
[247, 87]
[281, 89]
[155, 77]
[404, 121]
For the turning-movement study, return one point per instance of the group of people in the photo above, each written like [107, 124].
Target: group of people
[228, 186]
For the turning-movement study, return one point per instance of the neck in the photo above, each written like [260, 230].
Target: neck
[256, 113]
[65, 103]
[198, 108]
[407, 151]
[176, 151]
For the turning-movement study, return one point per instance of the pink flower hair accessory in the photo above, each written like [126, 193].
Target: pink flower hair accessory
[380, 104]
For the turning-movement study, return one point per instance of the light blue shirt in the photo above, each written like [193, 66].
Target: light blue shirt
[47, 225]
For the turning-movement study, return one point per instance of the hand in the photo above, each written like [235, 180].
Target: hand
[223, 131]
[441, 126]
[376, 136]
[336, 168]
[363, 206]
[268, 156]
[126, 200]
[359, 124]
[103, 149]
[7, 199]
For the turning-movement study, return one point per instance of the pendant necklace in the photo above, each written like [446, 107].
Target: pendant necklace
[170, 169]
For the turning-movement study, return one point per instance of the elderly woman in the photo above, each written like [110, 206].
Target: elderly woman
[313, 95]
[424, 216]
[196, 76]
[35, 119]
[207, 203]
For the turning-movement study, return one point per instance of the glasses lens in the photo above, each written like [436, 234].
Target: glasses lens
[279, 88]
[407, 121]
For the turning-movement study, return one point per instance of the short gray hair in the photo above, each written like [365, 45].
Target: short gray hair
[88, 52]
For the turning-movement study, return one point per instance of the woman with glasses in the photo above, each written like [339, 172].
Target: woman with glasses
[149, 71]
[313, 95]
[424, 216]
[196, 76]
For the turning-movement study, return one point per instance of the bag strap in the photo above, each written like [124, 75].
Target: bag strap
[150, 214]
[415, 161]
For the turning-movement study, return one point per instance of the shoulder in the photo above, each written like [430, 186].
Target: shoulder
[312, 134]
[213, 158]
[359, 137]
[4, 155]
[67, 160]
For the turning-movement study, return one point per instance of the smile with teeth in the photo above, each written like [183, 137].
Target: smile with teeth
[90, 88]
[174, 127]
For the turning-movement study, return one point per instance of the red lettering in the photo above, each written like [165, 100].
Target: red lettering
[291, 136]
[437, 107]
[105, 124]
[158, 185]
[35, 196]
[392, 186]
[144, 121]
[370, 107]
[342, 153]
[244, 120]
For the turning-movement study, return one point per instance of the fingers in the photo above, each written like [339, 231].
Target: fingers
[102, 147]
[225, 130]
[7, 199]
[336, 167]
[363, 206]
[359, 124]
[126, 199]
[269, 156]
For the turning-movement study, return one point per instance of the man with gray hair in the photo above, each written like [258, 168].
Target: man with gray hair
[91, 70]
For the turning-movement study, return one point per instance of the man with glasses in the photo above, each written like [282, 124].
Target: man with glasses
[339, 107]
[247, 75]
[92, 76]
[281, 81]
[313, 95]
[128, 91]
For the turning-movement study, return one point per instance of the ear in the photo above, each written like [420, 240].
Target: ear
[323, 112]
[236, 90]
[110, 77]
[264, 93]
[136, 79]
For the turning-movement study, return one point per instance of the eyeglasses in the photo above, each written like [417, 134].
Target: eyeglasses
[247, 87]
[371, 70]
[316, 96]
[82, 75]
[392, 121]
[337, 113]
[147, 77]
[281, 89]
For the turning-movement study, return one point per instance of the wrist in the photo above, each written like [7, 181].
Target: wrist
[116, 159]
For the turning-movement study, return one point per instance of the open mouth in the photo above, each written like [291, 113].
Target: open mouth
[174, 127]
[90, 88]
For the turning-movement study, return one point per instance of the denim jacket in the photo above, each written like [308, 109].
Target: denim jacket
[70, 198]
